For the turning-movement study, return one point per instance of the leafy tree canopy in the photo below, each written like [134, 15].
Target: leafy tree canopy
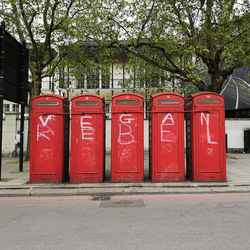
[192, 40]
[44, 25]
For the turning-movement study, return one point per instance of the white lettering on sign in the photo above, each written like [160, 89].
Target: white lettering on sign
[206, 119]
[43, 130]
[87, 128]
[168, 120]
[125, 135]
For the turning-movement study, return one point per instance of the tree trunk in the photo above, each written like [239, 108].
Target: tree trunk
[217, 81]
[35, 90]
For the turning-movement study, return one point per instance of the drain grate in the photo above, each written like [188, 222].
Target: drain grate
[101, 198]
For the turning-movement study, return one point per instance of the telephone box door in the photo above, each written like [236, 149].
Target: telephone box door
[167, 137]
[206, 157]
[127, 138]
[87, 139]
[49, 139]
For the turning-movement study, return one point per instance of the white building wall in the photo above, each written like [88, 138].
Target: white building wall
[117, 74]
[45, 83]
[11, 124]
[235, 133]
[9, 129]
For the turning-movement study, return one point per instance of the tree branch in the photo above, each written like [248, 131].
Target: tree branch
[46, 8]
[28, 27]
[180, 74]
[179, 16]
[146, 21]
[17, 22]
[47, 47]
[168, 57]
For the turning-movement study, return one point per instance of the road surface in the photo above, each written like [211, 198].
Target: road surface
[194, 221]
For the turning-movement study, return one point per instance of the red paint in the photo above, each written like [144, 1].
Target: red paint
[206, 157]
[167, 137]
[48, 140]
[127, 148]
[87, 139]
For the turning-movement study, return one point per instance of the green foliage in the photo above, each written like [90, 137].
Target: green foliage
[149, 77]
[185, 40]
[182, 38]
[84, 61]
[45, 25]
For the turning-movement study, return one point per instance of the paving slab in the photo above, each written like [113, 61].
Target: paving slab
[15, 183]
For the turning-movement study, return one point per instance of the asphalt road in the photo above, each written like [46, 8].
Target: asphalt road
[131, 222]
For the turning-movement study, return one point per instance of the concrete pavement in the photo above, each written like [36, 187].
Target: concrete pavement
[15, 183]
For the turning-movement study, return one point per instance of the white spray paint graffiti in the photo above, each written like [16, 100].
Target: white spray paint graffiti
[87, 128]
[43, 130]
[168, 120]
[206, 119]
[168, 147]
[210, 151]
[46, 154]
[125, 135]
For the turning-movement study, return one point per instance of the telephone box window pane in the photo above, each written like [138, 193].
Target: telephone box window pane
[208, 101]
[167, 101]
[47, 103]
[86, 103]
[124, 102]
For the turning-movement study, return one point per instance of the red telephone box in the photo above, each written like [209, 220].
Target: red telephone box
[127, 148]
[49, 139]
[206, 157]
[87, 139]
[167, 138]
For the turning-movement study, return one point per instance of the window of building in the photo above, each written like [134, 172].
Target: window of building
[6, 108]
[61, 77]
[105, 80]
[51, 83]
[154, 80]
[15, 107]
[93, 78]
[80, 84]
